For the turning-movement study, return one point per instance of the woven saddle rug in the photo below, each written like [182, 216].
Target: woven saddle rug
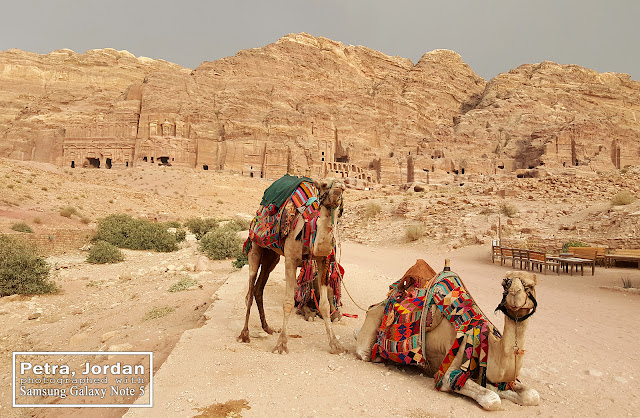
[272, 223]
[408, 317]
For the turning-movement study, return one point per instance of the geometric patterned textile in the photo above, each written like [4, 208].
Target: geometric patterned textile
[403, 329]
[399, 337]
[272, 224]
[451, 297]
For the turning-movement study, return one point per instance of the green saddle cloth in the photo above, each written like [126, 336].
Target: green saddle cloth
[281, 189]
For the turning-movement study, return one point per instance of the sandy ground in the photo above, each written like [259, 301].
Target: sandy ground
[580, 350]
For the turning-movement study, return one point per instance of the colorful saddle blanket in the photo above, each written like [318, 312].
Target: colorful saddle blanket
[273, 223]
[402, 333]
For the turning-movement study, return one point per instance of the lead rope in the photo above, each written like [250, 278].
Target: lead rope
[516, 352]
[339, 257]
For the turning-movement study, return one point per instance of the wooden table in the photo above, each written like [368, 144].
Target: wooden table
[568, 263]
[610, 259]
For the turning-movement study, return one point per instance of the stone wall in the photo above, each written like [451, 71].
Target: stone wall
[55, 241]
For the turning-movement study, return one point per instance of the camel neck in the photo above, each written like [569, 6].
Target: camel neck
[324, 241]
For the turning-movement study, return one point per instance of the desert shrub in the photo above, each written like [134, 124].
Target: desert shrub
[199, 227]
[68, 211]
[221, 243]
[37, 220]
[508, 210]
[414, 232]
[240, 261]
[21, 270]
[180, 234]
[158, 312]
[623, 197]
[21, 227]
[566, 245]
[123, 231]
[372, 209]
[173, 224]
[85, 220]
[238, 224]
[183, 284]
[102, 253]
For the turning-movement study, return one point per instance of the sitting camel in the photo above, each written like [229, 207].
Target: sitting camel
[487, 367]
[330, 200]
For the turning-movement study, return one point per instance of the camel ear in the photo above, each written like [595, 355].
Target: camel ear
[320, 184]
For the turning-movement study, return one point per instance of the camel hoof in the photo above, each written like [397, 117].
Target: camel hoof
[269, 330]
[335, 347]
[530, 397]
[490, 401]
[364, 356]
[337, 315]
[244, 336]
[280, 348]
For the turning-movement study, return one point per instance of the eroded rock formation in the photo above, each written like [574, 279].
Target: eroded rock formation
[313, 105]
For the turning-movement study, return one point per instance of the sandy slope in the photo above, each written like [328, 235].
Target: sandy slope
[580, 347]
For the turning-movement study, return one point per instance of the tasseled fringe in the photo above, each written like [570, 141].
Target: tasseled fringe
[246, 247]
[458, 378]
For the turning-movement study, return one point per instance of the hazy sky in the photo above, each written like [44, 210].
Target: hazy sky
[492, 36]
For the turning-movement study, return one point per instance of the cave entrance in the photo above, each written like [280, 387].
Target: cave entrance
[205, 167]
[73, 164]
[108, 163]
[163, 160]
[93, 162]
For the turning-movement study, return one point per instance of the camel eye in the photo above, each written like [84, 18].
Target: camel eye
[506, 283]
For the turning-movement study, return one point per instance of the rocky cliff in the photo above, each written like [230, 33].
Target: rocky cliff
[313, 104]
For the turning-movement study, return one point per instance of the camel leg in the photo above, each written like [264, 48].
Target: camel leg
[521, 395]
[268, 262]
[368, 334]
[334, 345]
[290, 265]
[254, 256]
[487, 398]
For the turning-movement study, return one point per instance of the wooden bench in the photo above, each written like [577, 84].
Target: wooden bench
[538, 260]
[521, 256]
[495, 253]
[622, 255]
[590, 253]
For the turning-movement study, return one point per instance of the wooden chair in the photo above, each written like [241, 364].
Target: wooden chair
[521, 257]
[539, 261]
[506, 254]
[495, 253]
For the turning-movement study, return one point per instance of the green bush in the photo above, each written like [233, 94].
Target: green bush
[102, 253]
[240, 261]
[180, 234]
[414, 232]
[566, 245]
[123, 231]
[238, 224]
[623, 198]
[173, 224]
[199, 227]
[21, 270]
[22, 227]
[221, 243]
[183, 284]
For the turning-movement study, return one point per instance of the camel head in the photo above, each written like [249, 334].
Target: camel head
[330, 192]
[519, 297]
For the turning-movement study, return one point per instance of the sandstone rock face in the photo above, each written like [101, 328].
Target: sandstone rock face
[314, 106]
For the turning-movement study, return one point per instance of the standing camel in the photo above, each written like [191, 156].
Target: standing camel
[293, 249]
[452, 339]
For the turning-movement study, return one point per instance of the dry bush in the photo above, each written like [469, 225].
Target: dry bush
[623, 197]
[372, 209]
[21, 227]
[508, 210]
[221, 243]
[68, 211]
[123, 231]
[414, 232]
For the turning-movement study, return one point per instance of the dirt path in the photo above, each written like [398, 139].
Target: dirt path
[581, 353]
